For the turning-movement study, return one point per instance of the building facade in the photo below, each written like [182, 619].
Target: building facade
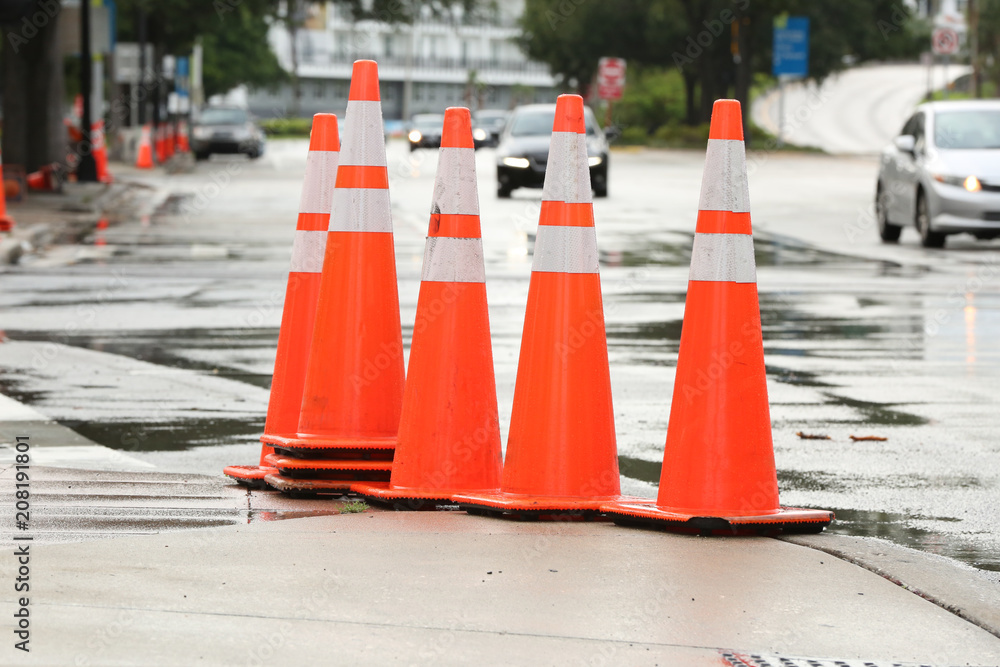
[424, 67]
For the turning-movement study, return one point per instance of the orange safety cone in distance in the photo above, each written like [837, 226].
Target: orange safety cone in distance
[183, 142]
[562, 457]
[718, 474]
[301, 294]
[144, 157]
[42, 179]
[6, 222]
[354, 384]
[100, 150]
[449, 431]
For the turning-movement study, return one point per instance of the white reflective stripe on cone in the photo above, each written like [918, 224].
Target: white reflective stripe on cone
[360, 210]
[724, 182]
[455, 183]
[560, 249]
[723, 258]
[308, 251]
[567, 172]
[317, 188]
[364, 137]
[452, 260]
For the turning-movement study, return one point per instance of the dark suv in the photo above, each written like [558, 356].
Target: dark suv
[224, 129]
[524, 150]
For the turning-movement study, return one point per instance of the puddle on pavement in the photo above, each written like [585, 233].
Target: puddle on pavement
[898, 528]
[176, 435]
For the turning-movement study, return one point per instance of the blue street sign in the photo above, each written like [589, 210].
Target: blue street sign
[181, 71]
[791, 47]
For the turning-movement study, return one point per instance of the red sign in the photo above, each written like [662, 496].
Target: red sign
[610, 78]
[944, 41]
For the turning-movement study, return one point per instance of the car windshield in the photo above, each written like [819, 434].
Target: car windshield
[223, 117]
[532, 123]
[967, 129]
[428, 122]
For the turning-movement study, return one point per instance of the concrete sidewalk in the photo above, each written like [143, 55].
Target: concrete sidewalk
[448, 588]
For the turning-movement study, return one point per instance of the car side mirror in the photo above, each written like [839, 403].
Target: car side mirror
[906, 143]
[612, 132]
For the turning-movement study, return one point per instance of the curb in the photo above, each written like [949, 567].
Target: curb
[960, 589]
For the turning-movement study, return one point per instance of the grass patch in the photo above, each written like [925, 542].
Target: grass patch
[354, 507]
[287, 127]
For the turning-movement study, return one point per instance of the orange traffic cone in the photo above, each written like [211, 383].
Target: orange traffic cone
[43, 180]
[718, 472]
[168, 140]
[6, 222]
[449, 431]
[301, 294]
[144, 158]
[561, 453]
[183, 143]
[100, 152]
[354, 384]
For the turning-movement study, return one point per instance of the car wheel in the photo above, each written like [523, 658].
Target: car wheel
[601, 190]
[503, 191]
[413, 147]
[928, 238]
[886, 230]
[201, 155]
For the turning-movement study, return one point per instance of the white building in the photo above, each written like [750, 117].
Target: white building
[426, 66]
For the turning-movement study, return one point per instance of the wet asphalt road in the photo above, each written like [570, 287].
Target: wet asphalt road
[161, 342]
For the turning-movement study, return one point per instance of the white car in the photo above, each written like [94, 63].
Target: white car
[942, 173]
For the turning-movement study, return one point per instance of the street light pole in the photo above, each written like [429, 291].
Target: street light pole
[86, 169]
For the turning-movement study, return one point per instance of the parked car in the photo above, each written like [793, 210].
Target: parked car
[226, 129]
[524, 150]
[487, 124]
[941, 175]
[425, 131]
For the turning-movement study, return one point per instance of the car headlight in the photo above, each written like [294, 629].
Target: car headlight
[970, 183]
[516, 162]
[479, 134]
[415, 136]
[202, 132]
[594, 161]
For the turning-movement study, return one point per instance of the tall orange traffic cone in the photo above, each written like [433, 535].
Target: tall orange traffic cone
[718, 471]
[6, 222]
[449, 431]
[144, 157]
[100, 150]
[561, 453]
[301, 294]
[354, 384]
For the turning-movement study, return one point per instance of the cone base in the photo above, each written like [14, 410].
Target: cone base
[6, 224]
[308, 487]
[251, 476]
[335, 454]
[403, 498]
[291, 464]
[313, 443]
[648, 514]
[517, 506]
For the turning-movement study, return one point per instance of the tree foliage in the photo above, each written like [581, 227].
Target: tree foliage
[717, 45]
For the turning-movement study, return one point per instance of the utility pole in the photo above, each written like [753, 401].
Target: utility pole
[140, 96]
[977, 87]
[86, 168]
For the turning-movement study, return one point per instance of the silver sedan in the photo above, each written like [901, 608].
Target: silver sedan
[942, 173]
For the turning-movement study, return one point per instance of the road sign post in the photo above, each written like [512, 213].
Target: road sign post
[944, 42]
[790, 58]
[610, 82]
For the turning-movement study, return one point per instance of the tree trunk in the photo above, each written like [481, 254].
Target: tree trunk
[690, 88]
[744, 74]
[34, 134]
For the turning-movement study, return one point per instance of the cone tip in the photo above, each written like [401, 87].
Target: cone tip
[324, 135]
[364, 81]
[569, 114]
[727, 120]
[457, 132]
